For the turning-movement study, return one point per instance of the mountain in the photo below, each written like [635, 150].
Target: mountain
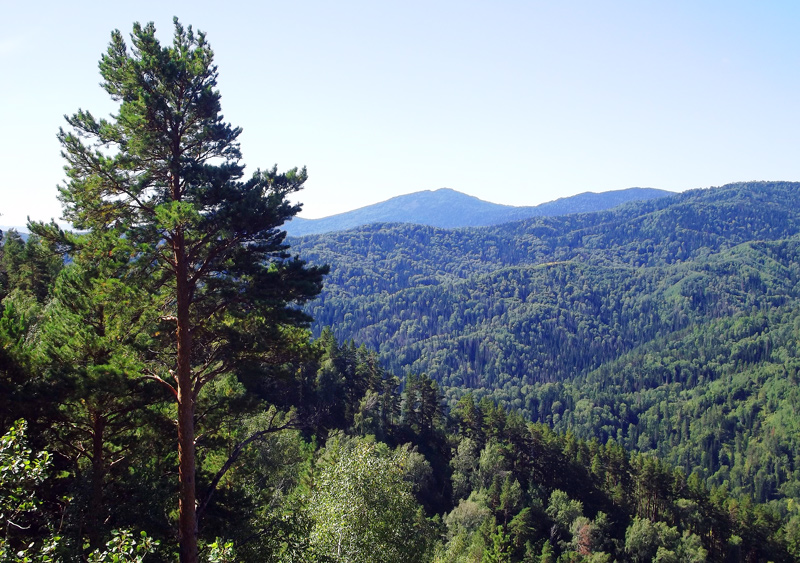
[667, 325]
[450, 209]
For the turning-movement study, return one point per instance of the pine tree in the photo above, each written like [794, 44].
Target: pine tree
[84, 345]
[164, 176]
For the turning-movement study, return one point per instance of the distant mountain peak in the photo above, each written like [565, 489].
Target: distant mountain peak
[448, 208]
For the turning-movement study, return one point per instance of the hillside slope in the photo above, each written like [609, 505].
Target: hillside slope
[641, 323]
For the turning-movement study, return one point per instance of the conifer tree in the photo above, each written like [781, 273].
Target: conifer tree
[84, 344]
[163, 176]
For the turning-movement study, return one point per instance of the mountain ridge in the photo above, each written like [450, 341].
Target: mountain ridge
[448, 208]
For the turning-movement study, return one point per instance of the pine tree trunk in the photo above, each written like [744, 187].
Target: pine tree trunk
[187, 524]
[96, 511]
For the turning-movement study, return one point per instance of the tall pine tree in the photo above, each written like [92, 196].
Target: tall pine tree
[163, 176]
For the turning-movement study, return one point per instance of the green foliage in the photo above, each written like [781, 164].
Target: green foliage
[221, 552]
[563, 511]
[21, 472]
[275, 504]
[547, 555]
[656, 541]
[608, 490]
[792, 533]
[667, 325]
[159, 187]
[27, 266]
[362, 504]
[15, 372]
[124, 547]
[259, 505]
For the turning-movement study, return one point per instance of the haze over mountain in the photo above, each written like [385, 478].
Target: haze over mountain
[449, 209]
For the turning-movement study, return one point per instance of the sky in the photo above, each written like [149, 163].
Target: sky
[514, 102]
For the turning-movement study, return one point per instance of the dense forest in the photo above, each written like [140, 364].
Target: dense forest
[618, 386]
[667, 325]
[334, 460]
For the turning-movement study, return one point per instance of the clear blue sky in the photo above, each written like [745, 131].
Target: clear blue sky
[513, 102]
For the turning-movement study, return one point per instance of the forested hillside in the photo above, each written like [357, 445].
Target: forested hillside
[318, 443]
[667, 325]
[325, 459]
[693, 362]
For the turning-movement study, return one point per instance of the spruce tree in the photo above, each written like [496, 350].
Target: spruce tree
[163, 176]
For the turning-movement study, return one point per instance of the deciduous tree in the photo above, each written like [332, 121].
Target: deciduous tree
[363, 506]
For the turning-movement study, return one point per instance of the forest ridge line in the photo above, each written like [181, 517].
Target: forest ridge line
[447, 208]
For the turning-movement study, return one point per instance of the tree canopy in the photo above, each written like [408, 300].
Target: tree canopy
[159, 186]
